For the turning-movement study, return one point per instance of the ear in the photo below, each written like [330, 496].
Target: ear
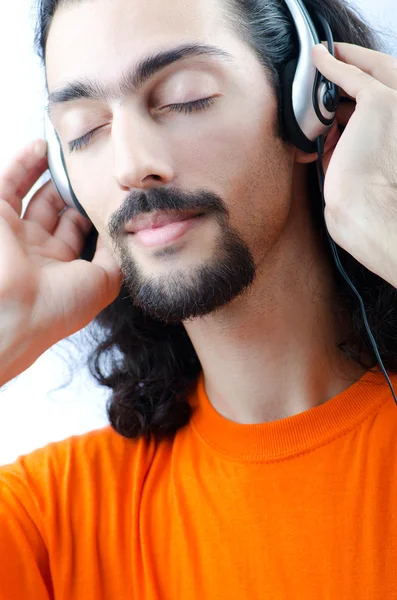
[331, 141]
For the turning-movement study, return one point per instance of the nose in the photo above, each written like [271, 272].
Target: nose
[141, 160]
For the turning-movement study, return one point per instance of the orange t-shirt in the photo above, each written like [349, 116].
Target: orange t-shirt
[301, 508]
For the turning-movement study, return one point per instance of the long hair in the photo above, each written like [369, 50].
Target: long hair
[150, 367]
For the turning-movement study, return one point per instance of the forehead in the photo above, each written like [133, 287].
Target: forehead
[91, 36]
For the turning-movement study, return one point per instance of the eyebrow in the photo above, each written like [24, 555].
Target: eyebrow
[135, 77]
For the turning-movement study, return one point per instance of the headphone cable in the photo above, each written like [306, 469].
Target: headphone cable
[321, 178]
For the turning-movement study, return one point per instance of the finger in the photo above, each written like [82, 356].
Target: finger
[21, 174]
[10, 256]
[349, 77]
[45, 207]
[9, 214]
[106, 260]
[100, 280]
[72, 230]
[27, 233]
[381, 66]
[111, 272]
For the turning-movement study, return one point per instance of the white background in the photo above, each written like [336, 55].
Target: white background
[31, 414]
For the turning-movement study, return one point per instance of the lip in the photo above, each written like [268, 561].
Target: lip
[166, 233]
[157, 220]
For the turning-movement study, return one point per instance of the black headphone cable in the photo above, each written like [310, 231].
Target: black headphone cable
[321, 179]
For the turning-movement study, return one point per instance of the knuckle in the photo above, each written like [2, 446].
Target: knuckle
[371, 92]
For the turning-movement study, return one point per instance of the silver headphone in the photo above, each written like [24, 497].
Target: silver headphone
[309, 101]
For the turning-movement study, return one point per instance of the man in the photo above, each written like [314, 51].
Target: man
[282, 482]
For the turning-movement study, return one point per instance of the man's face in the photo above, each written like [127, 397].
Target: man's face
[152, 158]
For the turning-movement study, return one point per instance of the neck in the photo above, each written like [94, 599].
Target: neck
[272, 353]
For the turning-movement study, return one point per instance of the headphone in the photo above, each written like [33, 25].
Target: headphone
[309, 105]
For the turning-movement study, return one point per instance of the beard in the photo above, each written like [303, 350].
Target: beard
[195, 291]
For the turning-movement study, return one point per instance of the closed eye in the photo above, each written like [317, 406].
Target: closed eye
[186, 107]
[189, 107]
[81, 142]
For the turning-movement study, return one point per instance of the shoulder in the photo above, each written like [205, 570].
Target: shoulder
[94, 459]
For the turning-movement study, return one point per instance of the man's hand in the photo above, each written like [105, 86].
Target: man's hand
[361, 175]
[46, 293]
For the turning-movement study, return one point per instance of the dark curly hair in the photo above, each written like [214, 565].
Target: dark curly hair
[151, 366]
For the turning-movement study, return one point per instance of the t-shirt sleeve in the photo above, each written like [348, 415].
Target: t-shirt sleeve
[24, 564]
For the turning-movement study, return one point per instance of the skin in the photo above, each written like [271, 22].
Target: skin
[270, 353]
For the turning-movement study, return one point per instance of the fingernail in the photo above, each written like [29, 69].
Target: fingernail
[40, 148]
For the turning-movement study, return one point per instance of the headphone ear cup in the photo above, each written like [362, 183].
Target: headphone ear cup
[292, 129]
[90, 243]
[74, 197]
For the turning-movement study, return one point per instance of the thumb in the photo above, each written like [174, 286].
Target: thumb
[106, 260]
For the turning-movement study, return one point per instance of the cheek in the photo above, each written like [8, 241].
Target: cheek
[260, 202]
[267, 196]
[222, 146]
[241, 159]
[93, 192]
[223, 149]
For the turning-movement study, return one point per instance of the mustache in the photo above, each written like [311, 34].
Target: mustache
[164, 199]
